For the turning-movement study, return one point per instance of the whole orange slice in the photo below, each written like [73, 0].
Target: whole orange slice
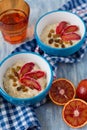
[75, 113]
[62, 91]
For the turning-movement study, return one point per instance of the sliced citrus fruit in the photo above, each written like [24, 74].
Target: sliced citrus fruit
[30, 82]
[70, 36]
[35, 74]
[75, 113]
[62, 91]
[60, 27]
[71, 28]
[26, 68]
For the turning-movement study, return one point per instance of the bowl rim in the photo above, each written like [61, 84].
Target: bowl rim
[3, 92]
[49, 47]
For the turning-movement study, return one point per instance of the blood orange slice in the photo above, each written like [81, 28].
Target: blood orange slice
[70, 36]
[62, 91]
[30, 82]
[75, 113]
[71, 28]
[60, 27]
[26, 68]
[35, 74]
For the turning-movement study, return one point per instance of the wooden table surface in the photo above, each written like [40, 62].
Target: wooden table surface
[49, 114]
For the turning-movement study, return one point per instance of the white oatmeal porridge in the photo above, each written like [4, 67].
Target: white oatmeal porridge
[13, 86]
[49, 37]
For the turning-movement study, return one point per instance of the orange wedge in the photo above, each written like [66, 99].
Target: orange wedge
[75, 113]
[62, 91]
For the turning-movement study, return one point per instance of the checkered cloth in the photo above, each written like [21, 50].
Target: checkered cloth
[23, 117]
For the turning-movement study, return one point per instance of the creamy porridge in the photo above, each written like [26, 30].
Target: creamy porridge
[15, 88]
[51, 38]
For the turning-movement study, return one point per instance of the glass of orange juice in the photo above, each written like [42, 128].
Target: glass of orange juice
[14, 16]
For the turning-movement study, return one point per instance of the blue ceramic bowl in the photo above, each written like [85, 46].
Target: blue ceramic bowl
[56, 17]
[27, 57]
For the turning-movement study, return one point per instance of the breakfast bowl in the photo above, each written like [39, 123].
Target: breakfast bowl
[25, 78]
[60, 33]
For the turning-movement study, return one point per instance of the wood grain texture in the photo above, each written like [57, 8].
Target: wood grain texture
[49, 114]
[37, 8]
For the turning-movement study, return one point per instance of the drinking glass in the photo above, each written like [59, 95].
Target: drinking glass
[14, 16]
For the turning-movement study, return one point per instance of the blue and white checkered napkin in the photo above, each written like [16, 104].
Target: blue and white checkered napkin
[23, 117]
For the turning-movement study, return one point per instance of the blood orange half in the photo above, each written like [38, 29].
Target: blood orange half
[62, 91]
[75, 113]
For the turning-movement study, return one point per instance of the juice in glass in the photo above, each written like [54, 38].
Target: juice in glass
[14, 22]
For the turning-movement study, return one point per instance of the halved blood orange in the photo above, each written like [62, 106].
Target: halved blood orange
[62, 91]
[75, 113]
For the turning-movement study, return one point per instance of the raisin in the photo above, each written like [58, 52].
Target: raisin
[55, 36]
[25, 90]
[71, 43]
[57, 40]
[16, 74]
[22, 86]
[56, 45]
[49, 35]
[19, 88]
[50, 41]
[13, 70]
[31, 87]
[51, 31]
[66, 42]
[12, 77]
[63, 46]
[18, 68]
[14, 84]
[60, 41]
